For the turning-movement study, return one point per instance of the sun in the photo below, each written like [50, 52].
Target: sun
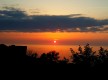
[55, 41]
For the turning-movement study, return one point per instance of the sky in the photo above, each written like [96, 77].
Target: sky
[43, 21]
[48, 38]
[91, 8]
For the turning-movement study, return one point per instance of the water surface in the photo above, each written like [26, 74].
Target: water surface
[64, 50]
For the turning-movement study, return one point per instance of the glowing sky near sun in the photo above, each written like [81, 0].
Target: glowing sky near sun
[50, 38]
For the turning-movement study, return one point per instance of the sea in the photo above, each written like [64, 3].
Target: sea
[63, 50]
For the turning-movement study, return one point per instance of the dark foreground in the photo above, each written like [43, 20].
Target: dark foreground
[83, 62]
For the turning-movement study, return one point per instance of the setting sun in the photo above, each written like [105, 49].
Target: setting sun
[55, 41]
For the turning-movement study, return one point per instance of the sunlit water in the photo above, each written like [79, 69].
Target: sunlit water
[64, 50]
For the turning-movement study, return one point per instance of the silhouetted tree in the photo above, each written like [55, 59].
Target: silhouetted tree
[50, 58]
[86, 57]
[64, 61]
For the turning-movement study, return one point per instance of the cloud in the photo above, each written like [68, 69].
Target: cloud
[12, 19]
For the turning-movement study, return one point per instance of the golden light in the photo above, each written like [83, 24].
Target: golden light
[55, 41]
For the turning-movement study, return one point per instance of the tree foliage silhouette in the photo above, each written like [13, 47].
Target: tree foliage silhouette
[84, 57]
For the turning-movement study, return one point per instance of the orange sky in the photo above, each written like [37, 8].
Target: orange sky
[49, 37]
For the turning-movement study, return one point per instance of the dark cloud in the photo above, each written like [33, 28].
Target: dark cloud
[12, 19]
